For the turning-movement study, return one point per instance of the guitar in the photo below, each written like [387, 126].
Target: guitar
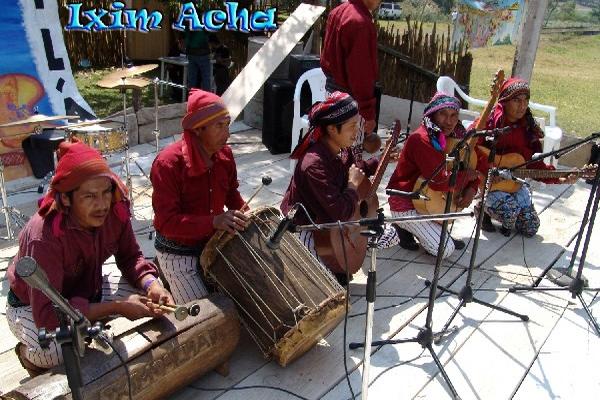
[510, 160]
[437, 200]
[329, 245]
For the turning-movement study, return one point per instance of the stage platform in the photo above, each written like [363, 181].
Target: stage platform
[492, 355]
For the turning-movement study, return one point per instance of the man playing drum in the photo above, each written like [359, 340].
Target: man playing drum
[83, 220]
[193, 180]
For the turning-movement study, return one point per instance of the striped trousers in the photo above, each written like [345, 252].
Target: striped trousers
[20, 321]
[182, 274]
[428, 233]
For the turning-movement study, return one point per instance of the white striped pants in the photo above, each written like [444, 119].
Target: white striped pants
[182, 273]
[20, 322]
[428, 233]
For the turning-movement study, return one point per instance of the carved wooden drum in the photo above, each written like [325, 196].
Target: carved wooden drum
[285, 297]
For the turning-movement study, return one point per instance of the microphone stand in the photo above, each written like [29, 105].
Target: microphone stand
[426, 336]
[73, 326]
[374, 232]
[465, 295]
[557, 154]
[577, 285]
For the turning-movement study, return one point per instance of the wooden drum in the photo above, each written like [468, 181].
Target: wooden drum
[285, 297]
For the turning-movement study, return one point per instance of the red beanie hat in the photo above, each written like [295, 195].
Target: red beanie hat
[203, 108]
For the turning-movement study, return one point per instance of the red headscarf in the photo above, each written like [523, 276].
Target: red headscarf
[203, 108]
[78, 163]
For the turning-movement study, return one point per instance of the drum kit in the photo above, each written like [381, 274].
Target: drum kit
[108, 137]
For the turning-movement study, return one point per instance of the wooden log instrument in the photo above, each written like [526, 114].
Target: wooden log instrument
[162, 355]
[330, 246]
[437, 200]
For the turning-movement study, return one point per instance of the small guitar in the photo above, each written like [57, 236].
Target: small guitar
[329, 245]
[511, 160]
[437, 200]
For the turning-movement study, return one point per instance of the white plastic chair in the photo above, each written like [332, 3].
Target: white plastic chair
[552, 133]
[316, 80]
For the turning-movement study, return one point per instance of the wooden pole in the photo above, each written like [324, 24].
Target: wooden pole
[533, 19]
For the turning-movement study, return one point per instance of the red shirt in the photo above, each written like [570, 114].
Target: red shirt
[515, 141]
[187, 197]
[73, 262]
[349, 54]
[320, 183]
[420, 158]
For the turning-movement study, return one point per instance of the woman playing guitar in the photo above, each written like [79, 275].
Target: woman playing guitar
[422, 153]
[326, 178]
[514, 209]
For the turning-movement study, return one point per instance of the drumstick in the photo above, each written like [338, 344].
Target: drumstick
[266, 181]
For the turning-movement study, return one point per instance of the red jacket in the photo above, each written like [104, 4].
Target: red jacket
[518, 140]
[420, 158]
[349, 54]
[73, 262]
[187, 197]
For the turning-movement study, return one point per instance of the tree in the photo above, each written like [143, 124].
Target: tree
[445, 5]
[596, 10]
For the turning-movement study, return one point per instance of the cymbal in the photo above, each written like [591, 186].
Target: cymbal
[110, 82]
[39, 119]
[83, 123]
[131, 71]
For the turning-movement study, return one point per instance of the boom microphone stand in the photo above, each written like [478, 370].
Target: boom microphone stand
[465, 294]
[577, 286]
[73, 329]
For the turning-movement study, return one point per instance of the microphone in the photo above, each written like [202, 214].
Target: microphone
[410, 195]
[28, 270]
[508, 175]
[491, 132]
[277, 234]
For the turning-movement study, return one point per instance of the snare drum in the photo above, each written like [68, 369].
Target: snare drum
[285, 297]
[106, 138]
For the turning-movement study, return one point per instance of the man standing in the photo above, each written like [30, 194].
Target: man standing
[349, 60]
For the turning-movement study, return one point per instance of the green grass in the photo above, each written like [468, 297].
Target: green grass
[105, 102]
[566, 75]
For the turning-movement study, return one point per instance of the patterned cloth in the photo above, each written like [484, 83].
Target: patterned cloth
[337, 108]
[514, 210]
[513, 87]
[439, 101]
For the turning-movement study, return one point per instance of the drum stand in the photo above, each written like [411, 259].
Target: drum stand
[11, 214]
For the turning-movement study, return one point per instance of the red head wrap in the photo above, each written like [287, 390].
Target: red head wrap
[78, 163]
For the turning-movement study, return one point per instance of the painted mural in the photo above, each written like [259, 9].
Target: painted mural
[35, 76]
[487, 23]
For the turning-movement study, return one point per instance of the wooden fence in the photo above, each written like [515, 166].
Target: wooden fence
[406, 58]
[102, 49]
[415, 58]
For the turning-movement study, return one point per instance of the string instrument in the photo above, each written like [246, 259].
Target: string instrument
[511, 160]
[437, 200]
[329, 245]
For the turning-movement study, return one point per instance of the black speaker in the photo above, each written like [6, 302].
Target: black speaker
[278, 114]
[300, 63]
[278, 108]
